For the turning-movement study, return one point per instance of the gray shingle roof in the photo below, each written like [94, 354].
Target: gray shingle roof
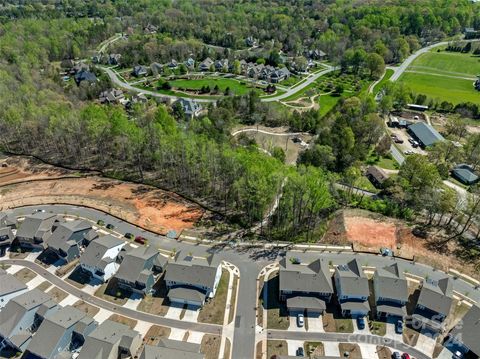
[308, 303]
[16, 308]
[314, 277]
[467, 331]
[437, 296]
[352, 279]
[186, 294]
[134, 263]
[105, 339]
[10, 284]
[7, 234]
[192, 271]
[391, 283]
[34, 224]
[97, 248]
[465, 174]
[60, 238]
[168, 349]
[425, 133]
[52, 330]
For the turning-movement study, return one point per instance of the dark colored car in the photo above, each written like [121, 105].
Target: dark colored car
[140, 239]
[129, 235]
[399, 327]
[100, 222]
[110, 226]
[396, 355]
[300, 352]
[361, 323]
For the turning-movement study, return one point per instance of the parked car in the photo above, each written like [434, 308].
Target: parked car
[100, 222]
[405, 356]
[39, 211]
[457, 355]
[110, 226]
[129, 235]
[386, 252]
[300, 320]
[399, 327]
[296, 140]
[361, 323]
[300, 352]
[140, 239]
[408, 152]
[396, 355]
[398, 140]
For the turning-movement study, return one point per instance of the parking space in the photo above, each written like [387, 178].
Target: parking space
[315, 322]
[357, 330]
[294, 325]
[191, 313]
[402, 140]
[368, 350]
[390, 332]
[331, 349]
[293, 346]
[174, 311]
[426, 344]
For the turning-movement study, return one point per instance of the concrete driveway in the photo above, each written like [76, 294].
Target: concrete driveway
[390, 333]
[368, 350]
[315, 322]
[293, 324]
[174, 311]
[331, 349]
[356, 330]
[426, 344]
[293, 345]
[191, 313]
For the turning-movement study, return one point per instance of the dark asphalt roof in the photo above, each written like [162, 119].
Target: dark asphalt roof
[437, 295]
[189, 294]
[192, 271]
[391, 283]
[305, 302]
[465, 174]
[153, 352]
[467, 331]
[36, 222]
[352, 279]
[314, 277]
[425, 133]
[10, 284]
[134, 263]
[97, 248]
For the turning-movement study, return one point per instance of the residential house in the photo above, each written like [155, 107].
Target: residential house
[465, 333]
[167, 349]
[34, 229]
[156, 68]
[60, 332]
[315, 54]
[352, 288]
[78, 67]
[173, 64]
[111, 340]
[136, 272]
[97, 58]
[266, 72]
[11, 287]
[425, 134]
[433, 304]
[470, 33]
[111, 96]
[305, 286]
[377, 176]
[7, 221]
[391, 292]
[150, 29]
[85, 76]
[114, 59]
[221, 65]
[279, 75]
[190, 107]
[206, 64]
[66, 239]
[90, 236]
[192, 280]
[251, 41]
[22, 315]
[253, 71]
[190, 63]
[139, 71]
[99, 258]
[6, 238]
[465, 174]
[139, 98]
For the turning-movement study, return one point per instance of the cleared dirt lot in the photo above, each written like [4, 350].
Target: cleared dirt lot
[156, 210]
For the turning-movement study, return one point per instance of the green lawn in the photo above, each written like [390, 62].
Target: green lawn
[446, 76]
[327, 102]
[448, 62]
[386, 77]
[443, 88]
[235, 86]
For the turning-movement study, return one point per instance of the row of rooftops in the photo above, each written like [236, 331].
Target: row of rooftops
[33, 323]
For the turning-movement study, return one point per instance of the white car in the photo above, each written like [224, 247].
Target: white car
[300, 320]
[408, 152]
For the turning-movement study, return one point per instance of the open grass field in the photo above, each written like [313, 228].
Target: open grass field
[436, 86]
[445, 76]
[235, 86]
[383, 81]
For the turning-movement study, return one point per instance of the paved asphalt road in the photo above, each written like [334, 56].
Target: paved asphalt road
[134, 314]
[248, 260]
[347, 338]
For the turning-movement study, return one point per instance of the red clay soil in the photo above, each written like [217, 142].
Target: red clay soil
[370, 232]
